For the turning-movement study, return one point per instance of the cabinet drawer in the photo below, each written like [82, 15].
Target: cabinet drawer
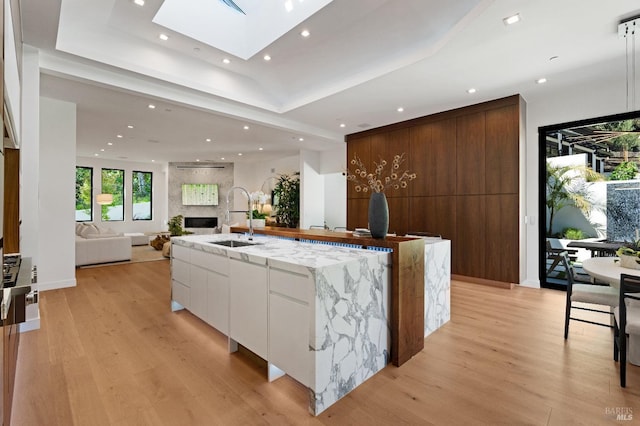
[181, 294]
[210, 261]
[180, 271]
[289, 284]
[179, 252]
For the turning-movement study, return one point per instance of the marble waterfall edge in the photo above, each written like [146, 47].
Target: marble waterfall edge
[351, 328]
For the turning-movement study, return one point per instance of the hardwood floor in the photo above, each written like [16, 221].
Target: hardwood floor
[110, 352]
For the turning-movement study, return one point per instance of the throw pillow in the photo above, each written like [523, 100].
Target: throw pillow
[89, 229]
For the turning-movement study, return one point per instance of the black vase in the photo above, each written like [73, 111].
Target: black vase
[378, 215]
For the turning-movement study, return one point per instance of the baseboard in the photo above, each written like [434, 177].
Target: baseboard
[29, 325]
[54, 285]
[530, 283]
[482, 281]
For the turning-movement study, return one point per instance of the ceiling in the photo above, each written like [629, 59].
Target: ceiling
[361, 62]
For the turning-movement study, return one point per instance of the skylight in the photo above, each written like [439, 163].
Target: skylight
[214, 23]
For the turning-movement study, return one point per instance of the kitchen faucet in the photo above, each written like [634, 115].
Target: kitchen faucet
[248, 211]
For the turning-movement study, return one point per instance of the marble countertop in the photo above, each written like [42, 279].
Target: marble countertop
[275, 250]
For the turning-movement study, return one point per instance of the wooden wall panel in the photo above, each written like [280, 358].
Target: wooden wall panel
[398, 215]
[436, 215]
[470, 154]
[429, 144]
[361, 148]
[11, 226]
[385, 147]
[467, 186]
[502, 238]
[357, 212]
[502, 154]
[469, 250]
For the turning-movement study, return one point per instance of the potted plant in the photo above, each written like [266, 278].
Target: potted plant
[258, 218]
[286, 200]
[175, 226]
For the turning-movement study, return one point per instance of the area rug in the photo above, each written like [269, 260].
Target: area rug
[138, 254]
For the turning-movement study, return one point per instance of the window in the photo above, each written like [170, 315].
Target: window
[84, 194]
[142, 200]
[113, 183]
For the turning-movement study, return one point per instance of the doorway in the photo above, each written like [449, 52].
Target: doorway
[589, 191]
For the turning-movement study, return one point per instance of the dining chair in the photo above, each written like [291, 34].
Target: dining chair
[626, 320]
[591, 294]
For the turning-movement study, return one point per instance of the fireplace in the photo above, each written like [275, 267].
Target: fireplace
[200, 222]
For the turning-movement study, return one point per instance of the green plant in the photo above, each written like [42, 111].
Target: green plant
[287, 199]
[563, 189]
[574, 234]
[175, 226]
[624, 171]
[257, 214]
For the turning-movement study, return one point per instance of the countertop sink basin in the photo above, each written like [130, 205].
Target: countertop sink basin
[232, 243]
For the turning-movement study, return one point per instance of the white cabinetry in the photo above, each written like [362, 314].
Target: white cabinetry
[289, 323]
[248, 305]
[180, 276]
[200, 283]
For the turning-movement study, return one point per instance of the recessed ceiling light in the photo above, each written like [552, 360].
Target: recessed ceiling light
[305, 33]
[197, 160]
[260, 149]
[96, 155]
[400, 109]
[541, 80]
[246, 127]
[267, 57]
[226, 61]
[101, 149]
[130, 126]
[109, 143]
[163, 37]
[471, 91]
[119, 136]
[301, 139]
[343, 125]
[222, 158]
[288, 5]
[139, 2]
[208, 140]
[153, 161]
[152, 106]
[510, 20]
[240, 154]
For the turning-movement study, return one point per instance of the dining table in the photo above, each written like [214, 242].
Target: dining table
[608, 270]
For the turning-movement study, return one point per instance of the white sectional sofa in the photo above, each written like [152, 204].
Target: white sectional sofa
[98, 245]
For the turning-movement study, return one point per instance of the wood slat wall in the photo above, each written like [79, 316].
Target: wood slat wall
[467, 189]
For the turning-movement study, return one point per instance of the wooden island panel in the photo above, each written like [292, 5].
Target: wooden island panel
[407, 283]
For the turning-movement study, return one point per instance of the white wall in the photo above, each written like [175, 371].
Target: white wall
[335, 200]
[56, 194]
[311, 190]
[159, 213]
[30, 155]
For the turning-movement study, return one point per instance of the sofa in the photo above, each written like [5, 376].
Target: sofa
[100, 245]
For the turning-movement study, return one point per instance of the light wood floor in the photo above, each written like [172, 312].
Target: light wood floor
[110, 352]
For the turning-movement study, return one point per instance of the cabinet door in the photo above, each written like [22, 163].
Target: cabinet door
[218, 301]
[198, 287]
[289, 323]
[289, 337]
[248, 305]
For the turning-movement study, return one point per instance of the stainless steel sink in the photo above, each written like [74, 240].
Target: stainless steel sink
[232, 243]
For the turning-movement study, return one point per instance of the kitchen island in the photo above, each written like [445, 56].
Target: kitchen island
[317, 312]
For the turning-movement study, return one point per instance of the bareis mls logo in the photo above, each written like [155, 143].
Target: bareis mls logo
[619, 413]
